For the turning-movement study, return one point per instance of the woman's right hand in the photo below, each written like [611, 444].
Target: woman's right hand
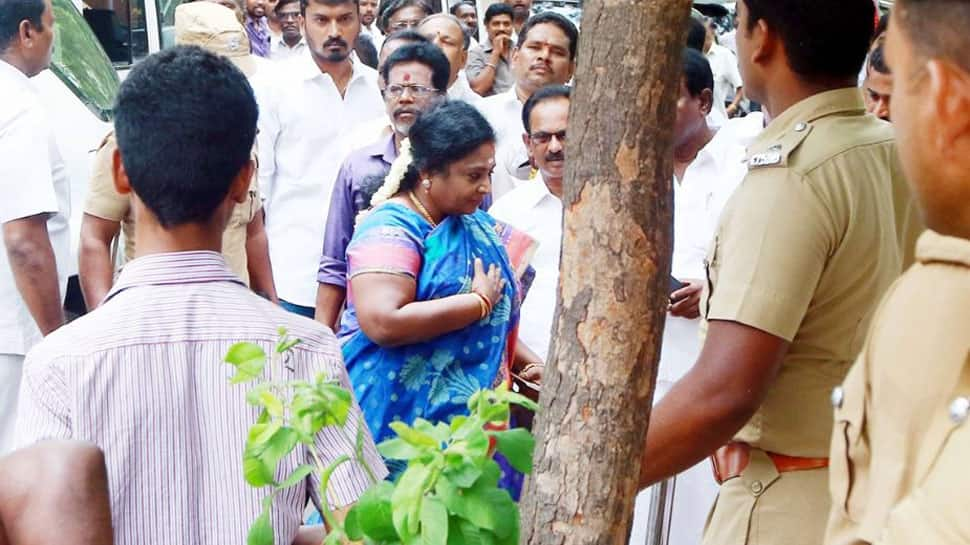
[488, 284]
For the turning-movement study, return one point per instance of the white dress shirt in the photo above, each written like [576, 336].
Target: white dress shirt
[461, 90]
[504, 112]
[303, 128]
[727, 79]
[531, 208]
[33, 180]
[375, 35]
[280, 51]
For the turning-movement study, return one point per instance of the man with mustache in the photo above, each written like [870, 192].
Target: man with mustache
[291, 42]
[447, 32]
[488, 69]
[536, 208]
[305, 112]
[368, 16]
[466, 12]
[521, 11]
[545, 54]
[416, 77]
[257, 28]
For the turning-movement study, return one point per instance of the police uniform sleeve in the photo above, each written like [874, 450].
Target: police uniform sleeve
[770, 252]
[103, 200]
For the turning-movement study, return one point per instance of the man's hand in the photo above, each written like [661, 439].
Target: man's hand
[34, 269]
[501, 47]
[685, 302]
[95, 266]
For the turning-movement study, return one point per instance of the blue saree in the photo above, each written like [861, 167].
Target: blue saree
[434, 379]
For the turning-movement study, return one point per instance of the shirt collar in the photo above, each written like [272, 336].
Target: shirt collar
[310, 70]
[936, 248]
[174, 268]
[383, 148]
[278, 42]
[839, 101]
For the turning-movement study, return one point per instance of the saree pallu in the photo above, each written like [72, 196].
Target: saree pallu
[433, 379]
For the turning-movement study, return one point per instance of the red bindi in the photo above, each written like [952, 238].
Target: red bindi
[407, 77]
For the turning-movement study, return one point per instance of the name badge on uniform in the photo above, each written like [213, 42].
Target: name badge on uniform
[767, 158]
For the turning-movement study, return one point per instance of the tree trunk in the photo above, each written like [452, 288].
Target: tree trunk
[598, 386]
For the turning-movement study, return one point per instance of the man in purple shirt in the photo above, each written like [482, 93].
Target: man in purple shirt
[142, 376]
[257, 28]
[415, 77]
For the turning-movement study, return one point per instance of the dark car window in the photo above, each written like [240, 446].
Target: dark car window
[81, 63]
[120, 27]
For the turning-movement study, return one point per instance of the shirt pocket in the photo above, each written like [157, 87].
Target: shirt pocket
[850, 455]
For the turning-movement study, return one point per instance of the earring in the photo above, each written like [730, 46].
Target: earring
[426, 184]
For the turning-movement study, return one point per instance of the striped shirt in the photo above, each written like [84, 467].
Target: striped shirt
[143, 378]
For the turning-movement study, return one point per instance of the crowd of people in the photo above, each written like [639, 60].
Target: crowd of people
[387, 184]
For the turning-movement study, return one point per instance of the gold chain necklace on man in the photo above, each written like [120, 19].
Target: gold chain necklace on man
[424, 211]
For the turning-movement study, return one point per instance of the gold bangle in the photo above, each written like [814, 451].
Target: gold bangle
[482, 304]
[485, 300]
[531, 366]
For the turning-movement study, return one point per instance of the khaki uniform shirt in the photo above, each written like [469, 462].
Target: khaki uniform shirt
[105, 202]
[917, 350]
[805, 248]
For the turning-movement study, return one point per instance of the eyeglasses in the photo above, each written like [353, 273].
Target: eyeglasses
[543, 138]
[417, 91]
[293, 16]
[401, 25]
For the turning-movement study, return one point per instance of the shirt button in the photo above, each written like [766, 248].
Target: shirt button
[757, 488]
[801, 127]
[959, 410]
[838, 396]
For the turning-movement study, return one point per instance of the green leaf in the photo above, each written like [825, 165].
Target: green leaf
[297, 476]
[474, 446]
[496, 413]
[413, 436]
[352, 526]
[406, 500]
[471, 534]
[492, 509]
[520, 400]
[397, 449]
[434, 522]
[248, 359]
[281, 444]
[261, 532]
[256, 471]
[359, 441]
[374, 513]
[273, 404]
[440, 432]
[259, 435]
[516, 445]
[451, 496]
[286, 344]
[464, 474]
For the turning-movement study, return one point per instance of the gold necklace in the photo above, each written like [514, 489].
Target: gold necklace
[424, 211]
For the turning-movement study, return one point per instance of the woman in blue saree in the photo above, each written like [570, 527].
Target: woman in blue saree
[434, 282]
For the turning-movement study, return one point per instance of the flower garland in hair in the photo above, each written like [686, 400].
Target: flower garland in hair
[392, 182]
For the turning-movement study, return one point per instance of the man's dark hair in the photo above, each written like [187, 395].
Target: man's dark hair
[697, 72]
[366, 51]
[406, 35]
[454, 9]
[281, 3]
[305, 3]
[186, 122]
[881, 27]
[500, 8]
[549, 92]
[944, 36]
[12, 13]
[427, 54]
[696, 34]
[551, 18]
[877, 58]
[445, 134]
[823, 39]
[390, 7]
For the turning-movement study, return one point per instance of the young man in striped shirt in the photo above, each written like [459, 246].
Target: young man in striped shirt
[143, 377]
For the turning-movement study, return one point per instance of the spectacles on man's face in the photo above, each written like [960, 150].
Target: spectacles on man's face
[542, 138]
[417, 91]
[405, 24]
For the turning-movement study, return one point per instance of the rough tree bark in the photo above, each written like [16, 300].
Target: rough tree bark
[617, 240]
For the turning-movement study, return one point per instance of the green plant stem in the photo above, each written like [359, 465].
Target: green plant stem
[324, 482]
[360, 459]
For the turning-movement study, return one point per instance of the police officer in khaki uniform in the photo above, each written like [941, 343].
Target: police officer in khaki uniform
[244, 245]
[901, 442]
[805, 248]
